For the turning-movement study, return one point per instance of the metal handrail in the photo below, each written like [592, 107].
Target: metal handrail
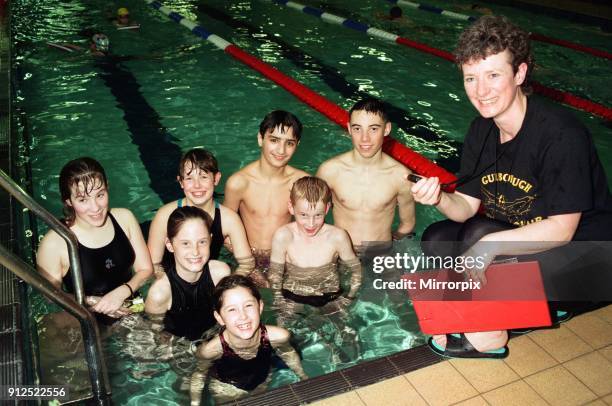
[93, 347]
[73, 253]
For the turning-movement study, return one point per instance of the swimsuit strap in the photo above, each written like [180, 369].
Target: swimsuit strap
[264, 342]
[179, 202]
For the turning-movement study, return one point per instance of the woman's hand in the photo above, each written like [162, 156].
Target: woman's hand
[111, 303]
[427, 191]
[477, 259]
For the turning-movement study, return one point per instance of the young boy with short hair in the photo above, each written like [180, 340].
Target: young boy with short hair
[259, 192]
[305, 252]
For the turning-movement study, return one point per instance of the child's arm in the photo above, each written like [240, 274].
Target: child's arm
[279, 338]
[206, 354]
[234, 189]
[159, 298]
[234, 229]
[347, 255]
[157, 236]
[280, 242]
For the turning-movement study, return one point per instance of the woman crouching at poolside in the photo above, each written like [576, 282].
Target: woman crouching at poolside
[183, 295]
[239, 358]
[110, 242]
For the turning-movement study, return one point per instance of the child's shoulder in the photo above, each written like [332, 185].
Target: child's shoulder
[277, 335]
[284, 233]
[211, 349]
[335, 233]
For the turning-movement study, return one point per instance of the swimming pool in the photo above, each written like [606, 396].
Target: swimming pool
[176, 92]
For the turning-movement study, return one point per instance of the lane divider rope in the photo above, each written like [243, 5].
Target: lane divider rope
[416, 162]
[534, 36]
[557, 95]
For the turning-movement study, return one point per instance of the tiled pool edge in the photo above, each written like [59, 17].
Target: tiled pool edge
[338, 382]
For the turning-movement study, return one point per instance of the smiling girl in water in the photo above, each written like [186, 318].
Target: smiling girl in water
[239, 358]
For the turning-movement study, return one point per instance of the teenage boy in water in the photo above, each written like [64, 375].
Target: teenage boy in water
[305, 252]
[259, 192]
[367, 184]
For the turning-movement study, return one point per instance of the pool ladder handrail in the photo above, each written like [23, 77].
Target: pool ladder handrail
[91, 337]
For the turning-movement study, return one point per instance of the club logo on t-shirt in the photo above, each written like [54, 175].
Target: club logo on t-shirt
[109, 263]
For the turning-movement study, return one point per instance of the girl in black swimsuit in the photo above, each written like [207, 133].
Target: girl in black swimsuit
[239, 358]
[183, 295]
[114, 258]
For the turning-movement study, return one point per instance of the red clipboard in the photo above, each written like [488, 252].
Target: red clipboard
[513, 297]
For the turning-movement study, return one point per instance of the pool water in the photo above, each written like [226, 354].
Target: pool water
[170, 91]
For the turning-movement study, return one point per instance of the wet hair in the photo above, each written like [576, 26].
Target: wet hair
[395, 12]
[198, 158]
[231, 282]
[371, 105]
[282, 119]
[181, 214]
[490, 35]
[311, 188]
[86, 171]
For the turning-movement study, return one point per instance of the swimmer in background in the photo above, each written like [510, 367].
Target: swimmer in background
[303, 268]
[475, 7]
[183, 296]
[198, 174]
[367, 184]
[259, 192]
[99, 45]
[123, 20]
[239, 359]
[396, 15]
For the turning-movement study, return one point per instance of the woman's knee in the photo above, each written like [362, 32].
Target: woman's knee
[438, 238]
[477, 227]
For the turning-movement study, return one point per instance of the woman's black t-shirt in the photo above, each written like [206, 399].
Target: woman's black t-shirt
[551, 167]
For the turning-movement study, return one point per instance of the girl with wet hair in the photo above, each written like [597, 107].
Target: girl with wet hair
[198, 175]
[183, 295]
[114, 258]
[239, 359]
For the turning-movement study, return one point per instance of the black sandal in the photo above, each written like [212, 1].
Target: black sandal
[458, 346]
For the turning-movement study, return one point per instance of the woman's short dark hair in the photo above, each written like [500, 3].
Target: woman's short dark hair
[181, 214]
[490, 35]
[86, 171]
[230, 282]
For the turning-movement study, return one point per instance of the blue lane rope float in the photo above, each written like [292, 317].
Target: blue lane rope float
[332, 111]
[534, 36]
[555, 94]
[434, 9]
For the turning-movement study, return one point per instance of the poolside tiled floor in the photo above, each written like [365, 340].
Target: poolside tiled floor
[571, 365]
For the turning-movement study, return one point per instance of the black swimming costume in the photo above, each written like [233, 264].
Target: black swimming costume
[215, 229]
[104, 268]
[245, 374]
[312, 300]
[191, 313]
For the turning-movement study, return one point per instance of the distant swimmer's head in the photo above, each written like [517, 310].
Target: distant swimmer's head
[279, 134]
[310, 200]
[100, 42]
[395, 12]
[198, 174]
[368, 125]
